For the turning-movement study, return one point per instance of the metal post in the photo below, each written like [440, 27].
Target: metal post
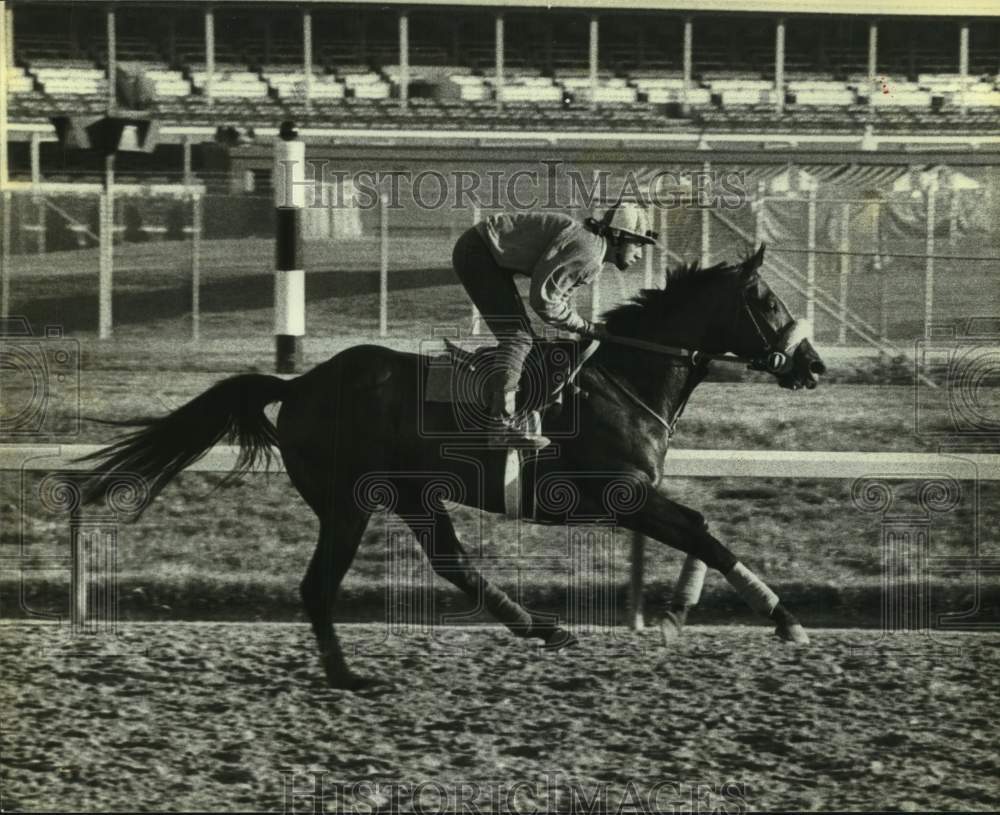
[872, 52]
[779, 65]
[665, 244]
[196, 222]
[36, 157]
[475, 311]
[758, 226]
[637, 579]
[705, 225]
[209, 52]
[498, 57]
[648, 252]
[383, 281]
[78, 568]
[880, 274]
[595, 289]
[688, 51]
[8, 22]
[112, 55]
[929, 269]
[963, 62]
[952, 218]
[811, 260]
[6, 35]
[42, 224]
[5, 253]
[705, 237]
[186, 153]
[404, 59]
[845, 270]
[307, 53]
[594, 33]
[107, 243]
[37, 197]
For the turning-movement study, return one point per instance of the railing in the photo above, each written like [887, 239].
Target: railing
[680, 463]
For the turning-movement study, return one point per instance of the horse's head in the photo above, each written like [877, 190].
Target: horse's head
[764, 330]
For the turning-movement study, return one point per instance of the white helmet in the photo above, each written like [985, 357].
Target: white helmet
[629, 219]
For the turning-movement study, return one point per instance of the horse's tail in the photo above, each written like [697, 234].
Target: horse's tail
[232, 409]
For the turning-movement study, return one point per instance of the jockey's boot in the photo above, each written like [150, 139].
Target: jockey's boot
[509, 428]
[516, 431]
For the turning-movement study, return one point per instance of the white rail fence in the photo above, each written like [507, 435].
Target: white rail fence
[680, 463]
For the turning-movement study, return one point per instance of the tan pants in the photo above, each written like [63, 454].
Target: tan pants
[491, 287]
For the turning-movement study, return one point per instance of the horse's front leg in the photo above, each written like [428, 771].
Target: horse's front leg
[687, 593]
[662, 519]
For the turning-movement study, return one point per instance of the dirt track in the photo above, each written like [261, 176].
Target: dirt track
[209, 716]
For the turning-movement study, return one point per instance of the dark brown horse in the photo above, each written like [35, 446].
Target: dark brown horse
[356, 435]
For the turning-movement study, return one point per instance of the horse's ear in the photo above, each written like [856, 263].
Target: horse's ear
[751, 266]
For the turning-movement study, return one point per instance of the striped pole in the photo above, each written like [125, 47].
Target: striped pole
[289, 276]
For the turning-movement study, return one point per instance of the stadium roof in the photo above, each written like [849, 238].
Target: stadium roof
[866, 8]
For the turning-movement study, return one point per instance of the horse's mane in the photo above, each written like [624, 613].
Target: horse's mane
[628, 318]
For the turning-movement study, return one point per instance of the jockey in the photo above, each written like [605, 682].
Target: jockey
[559, 254]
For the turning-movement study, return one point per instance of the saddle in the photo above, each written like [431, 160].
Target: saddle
[461, 377]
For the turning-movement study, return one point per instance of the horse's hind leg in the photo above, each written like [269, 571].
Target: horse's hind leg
[450, 561]
[339, 536]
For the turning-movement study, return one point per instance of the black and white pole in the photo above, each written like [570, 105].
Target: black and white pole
[289, 275]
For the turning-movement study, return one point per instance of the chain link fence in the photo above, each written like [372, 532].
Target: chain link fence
[870, 267]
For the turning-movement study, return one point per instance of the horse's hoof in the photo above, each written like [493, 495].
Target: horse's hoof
[560, 638]
[671, 628]
[793, 633]
[351, 682]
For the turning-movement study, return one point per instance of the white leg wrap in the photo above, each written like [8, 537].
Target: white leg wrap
[689, 584]
[752, 589]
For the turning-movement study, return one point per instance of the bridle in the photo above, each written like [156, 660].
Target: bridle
[774, 358]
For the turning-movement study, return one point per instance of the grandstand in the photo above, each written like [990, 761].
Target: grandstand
[333, 66]
[858, 98]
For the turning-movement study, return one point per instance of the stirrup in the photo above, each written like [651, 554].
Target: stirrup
[519, 433]
[519, 441]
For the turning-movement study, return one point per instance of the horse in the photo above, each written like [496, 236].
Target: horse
[355, 436]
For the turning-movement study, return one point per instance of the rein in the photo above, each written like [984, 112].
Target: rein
[638, 401]
[772, 361]
[764, 363]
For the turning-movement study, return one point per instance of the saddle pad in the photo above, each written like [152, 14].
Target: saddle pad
[448, 382]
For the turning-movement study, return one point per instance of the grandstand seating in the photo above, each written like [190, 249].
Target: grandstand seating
[256, 83]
